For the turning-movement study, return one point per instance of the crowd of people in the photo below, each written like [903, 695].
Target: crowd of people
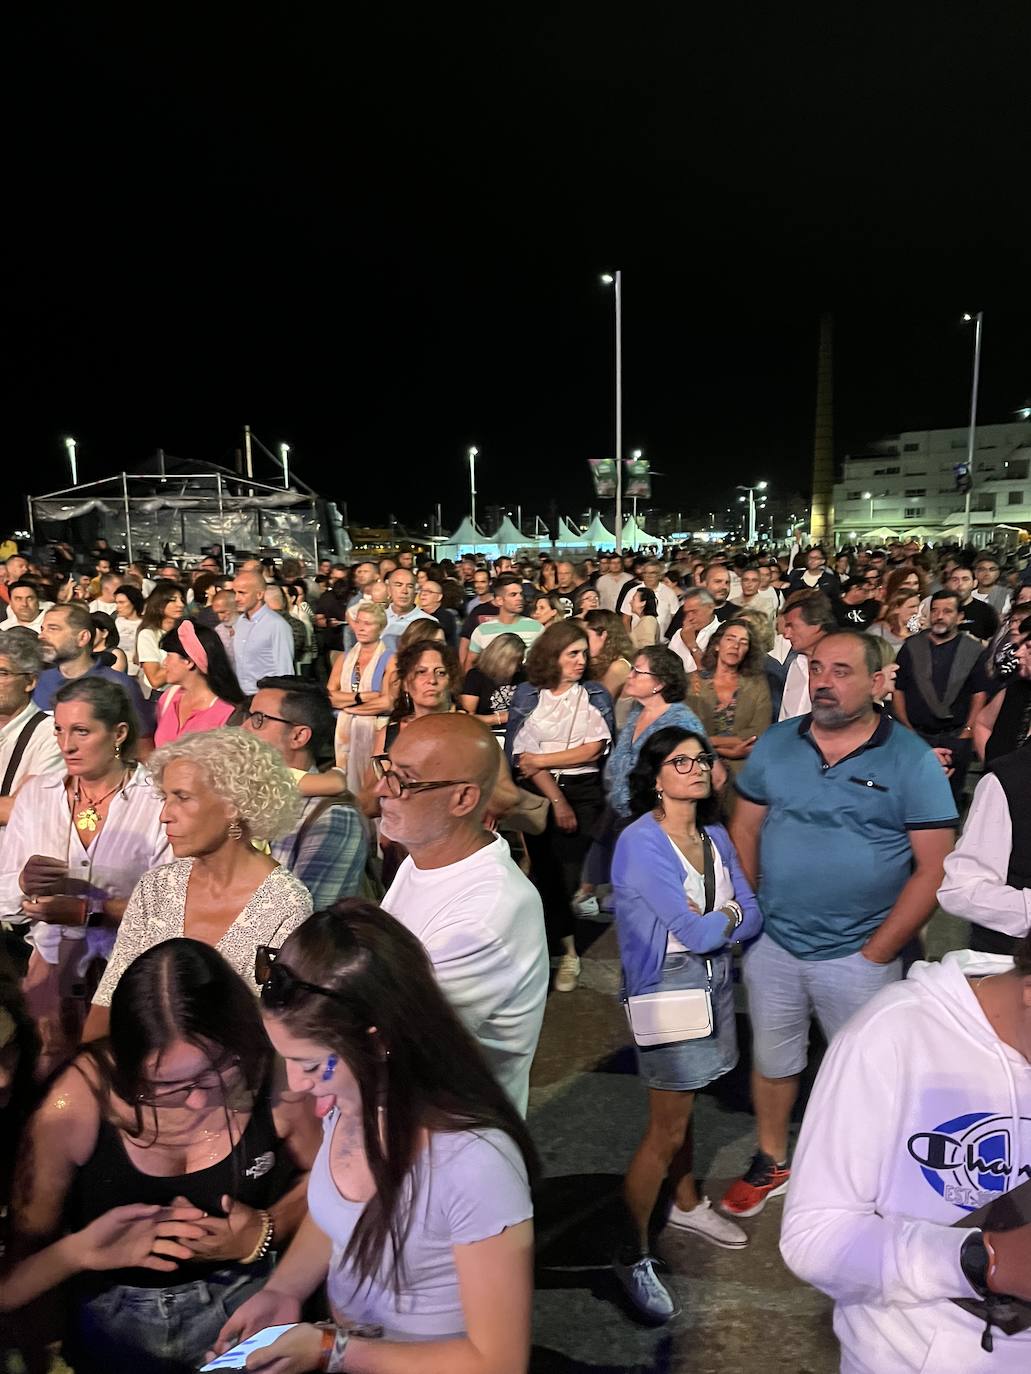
[291, 859]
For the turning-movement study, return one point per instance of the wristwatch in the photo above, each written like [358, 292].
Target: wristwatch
[974, 1260]
[734, 918]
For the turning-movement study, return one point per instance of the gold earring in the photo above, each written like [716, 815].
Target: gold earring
[235, 831]
[658, 793]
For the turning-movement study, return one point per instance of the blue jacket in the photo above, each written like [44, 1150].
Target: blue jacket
[651, 903]
[524, 703]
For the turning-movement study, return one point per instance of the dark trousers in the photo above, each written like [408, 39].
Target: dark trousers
[557, 856]
[962, 754]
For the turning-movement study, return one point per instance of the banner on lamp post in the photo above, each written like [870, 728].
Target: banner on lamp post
[638, 479]
[603, 474]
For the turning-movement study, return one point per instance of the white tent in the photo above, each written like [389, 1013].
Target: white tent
[568, 536]
[509, 537]
[598, 536]
[634, 537]
[466, 539]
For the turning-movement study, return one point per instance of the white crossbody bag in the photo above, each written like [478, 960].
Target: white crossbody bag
[663, 1018]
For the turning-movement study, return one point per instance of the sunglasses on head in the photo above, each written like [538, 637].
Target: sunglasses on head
[280, 988]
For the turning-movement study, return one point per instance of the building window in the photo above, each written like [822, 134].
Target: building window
[916, 491]
[910, 472]
[910, 448]
[853, 496]
[886, 472]
[1015, 498]
[1017, 470]
[912, 512]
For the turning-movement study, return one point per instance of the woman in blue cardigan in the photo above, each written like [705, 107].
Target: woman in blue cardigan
[669, 939]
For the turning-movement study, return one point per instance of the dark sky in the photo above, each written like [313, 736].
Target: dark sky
[375, 231]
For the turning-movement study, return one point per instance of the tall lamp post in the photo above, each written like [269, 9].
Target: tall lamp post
[284, 458]
[978, 320]
[70, 446]
[868, 496]
[472, 484]
[636, 454]
[759, 486]
[616, 280]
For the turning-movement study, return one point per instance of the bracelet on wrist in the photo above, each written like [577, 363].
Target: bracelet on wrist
[264, 1245]
[332, 1348]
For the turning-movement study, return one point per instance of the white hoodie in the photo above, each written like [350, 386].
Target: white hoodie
[920, 1115]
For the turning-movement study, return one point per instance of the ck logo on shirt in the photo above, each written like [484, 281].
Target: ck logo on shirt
[970, 1160]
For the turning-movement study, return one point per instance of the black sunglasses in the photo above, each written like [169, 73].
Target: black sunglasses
[280, 988]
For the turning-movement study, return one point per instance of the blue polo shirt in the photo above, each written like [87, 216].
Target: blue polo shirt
[834, 849]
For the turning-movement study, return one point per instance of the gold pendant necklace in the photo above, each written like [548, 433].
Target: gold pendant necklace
[89, 817]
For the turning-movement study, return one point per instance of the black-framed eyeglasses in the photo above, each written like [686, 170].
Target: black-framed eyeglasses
[175, 1094]
[642, 672]
[687, 763]
[383, 769]
[279, 986]
[6, 673]
[257, 719]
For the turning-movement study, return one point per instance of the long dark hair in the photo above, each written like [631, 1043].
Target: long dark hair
[643, 796]
[219, 673]
[407, 660]
[422, 1065]
[154, 607]
[179, 990]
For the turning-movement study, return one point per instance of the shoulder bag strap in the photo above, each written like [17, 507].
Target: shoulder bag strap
[18, 753]
[709, 873]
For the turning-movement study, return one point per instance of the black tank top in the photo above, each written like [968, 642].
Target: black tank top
[257, 1172]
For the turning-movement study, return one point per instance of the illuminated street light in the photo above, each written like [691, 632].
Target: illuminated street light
[473, 451]
[978, 321]
[284, 458]
[616, 280]
[70, 446]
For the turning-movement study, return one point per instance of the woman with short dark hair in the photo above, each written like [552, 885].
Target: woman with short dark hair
[183, 1100]
[419, 1211]
[682, 902]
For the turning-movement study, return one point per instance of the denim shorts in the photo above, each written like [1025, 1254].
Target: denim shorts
[126, 1330]
[785, 992]
[687, 1065]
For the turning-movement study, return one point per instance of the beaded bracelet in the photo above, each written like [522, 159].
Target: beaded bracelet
[268, 1230]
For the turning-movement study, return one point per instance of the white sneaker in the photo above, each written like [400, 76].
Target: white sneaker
[646, 1291]
[585, 904]
[709, 1224]
[568, 974]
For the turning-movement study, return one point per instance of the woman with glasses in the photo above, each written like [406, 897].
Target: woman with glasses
[77, 842]
[682, 903]
[359, 691]
[222, 790]
[202, 691]
[419, 1213]
[162, 1171]
[558, 730]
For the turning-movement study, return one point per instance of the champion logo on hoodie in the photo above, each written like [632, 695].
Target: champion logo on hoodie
[969, 1160]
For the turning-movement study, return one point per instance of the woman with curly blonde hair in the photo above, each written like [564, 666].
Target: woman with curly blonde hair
[222, 789]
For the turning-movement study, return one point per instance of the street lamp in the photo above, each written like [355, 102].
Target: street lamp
[868, 496]
[472, 484]
[977, 320]
[635, 454]
[759, 486]
[284, 458]
[616, 281]
[70, 446]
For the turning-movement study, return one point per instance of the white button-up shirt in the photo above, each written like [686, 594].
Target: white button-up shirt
[41, 753]
[132, 841]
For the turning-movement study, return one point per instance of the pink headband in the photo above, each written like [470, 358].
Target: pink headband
[188, 639]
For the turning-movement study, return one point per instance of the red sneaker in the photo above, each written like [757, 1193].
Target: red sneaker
[763, 1179]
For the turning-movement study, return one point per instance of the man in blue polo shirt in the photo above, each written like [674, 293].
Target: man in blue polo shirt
[843, 822]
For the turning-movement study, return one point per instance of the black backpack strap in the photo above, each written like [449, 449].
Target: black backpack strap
[18, 753]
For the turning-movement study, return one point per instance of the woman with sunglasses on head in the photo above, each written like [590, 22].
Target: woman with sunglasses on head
[202, 691]
[682, 903]
[162, 1171]
[419, 1211]
[223, 789]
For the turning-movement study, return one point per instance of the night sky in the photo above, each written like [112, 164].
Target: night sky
[376, 232]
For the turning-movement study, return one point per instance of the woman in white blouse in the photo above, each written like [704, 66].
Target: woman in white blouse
[164, 610]
[558, 730]
[226, 794]
[78, 840]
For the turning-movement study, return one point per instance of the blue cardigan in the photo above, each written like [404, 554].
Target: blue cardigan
[651, 903]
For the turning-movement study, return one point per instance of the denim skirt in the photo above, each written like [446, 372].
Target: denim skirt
[687, 1065]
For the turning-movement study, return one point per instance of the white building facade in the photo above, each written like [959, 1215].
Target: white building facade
[907, 483]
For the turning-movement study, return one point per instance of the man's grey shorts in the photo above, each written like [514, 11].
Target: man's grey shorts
[784, 993]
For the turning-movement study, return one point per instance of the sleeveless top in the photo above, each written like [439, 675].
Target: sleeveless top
[258, 1171]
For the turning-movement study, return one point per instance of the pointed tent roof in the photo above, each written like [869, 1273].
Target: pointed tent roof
[568, 536]
[598, 536]
[468, 535]
[509, 535]
[466, 539]
[634, 536]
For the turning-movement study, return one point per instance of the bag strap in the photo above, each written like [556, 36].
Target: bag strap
[709, 873]
[18, 752]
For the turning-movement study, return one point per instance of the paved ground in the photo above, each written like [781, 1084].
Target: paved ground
[741, 1310]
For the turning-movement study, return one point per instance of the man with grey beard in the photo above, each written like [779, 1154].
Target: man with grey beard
[843, 821]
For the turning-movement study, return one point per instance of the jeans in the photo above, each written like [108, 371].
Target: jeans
[126, 1330]
[784, 993]
[687, 1065]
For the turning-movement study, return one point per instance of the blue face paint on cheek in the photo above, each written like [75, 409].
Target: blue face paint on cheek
[330, 1068]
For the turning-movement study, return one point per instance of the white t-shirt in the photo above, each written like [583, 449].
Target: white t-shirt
[608, 587]
[765, 600]
[694, 890]
[127, 631]
[482, 924]
[148, 650]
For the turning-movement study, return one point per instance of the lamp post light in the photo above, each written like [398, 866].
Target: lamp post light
[759, 486]
[635, 454]
[284, 458]
[70, 446]
[978, 321]
[472, 484]
[616, 280]
[868, 496]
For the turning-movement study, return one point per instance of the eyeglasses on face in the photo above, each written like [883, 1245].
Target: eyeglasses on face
[396, 785]
[175, 1094]
[6, 673]
[256, 719]
[642, 672]
[687, 763]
